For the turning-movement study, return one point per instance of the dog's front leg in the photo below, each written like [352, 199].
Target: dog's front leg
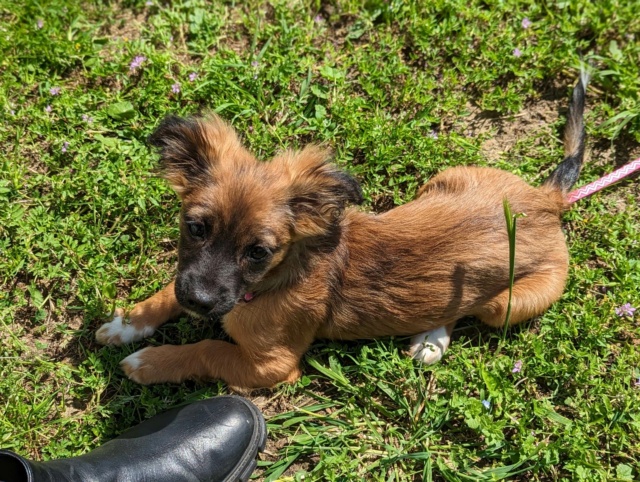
[213, 359]
[143, 320]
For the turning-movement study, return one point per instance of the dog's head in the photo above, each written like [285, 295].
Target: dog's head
[242, 218]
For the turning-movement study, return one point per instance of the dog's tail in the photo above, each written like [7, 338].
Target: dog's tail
[566, 174]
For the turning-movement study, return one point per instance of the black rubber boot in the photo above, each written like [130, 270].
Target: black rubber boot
[210, 440]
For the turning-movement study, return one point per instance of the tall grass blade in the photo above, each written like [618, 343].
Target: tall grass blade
[510, 219]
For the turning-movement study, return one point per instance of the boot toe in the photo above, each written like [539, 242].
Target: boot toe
[214, 440]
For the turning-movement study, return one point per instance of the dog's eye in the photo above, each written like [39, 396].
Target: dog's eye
[258, 253]
[196, 229]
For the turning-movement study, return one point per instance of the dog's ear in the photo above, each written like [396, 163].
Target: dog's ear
[319, 191]
[192, 148]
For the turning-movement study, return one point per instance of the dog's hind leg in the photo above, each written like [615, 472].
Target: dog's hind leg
[143, 320]
[428, 347]
[531, 296]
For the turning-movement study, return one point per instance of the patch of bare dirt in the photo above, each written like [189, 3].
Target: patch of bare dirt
[271, 404]
[234, 35]
[610, 156]
[613, 155]
[73, 407]
[126, 24]
[616, 154]
[507, 130]
[41, 335]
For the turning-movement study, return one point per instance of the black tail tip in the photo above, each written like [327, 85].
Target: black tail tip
[568, 171]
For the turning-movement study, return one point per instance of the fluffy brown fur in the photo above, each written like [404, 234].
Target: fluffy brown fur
[331, 271]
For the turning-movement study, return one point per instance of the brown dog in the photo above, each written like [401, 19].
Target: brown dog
[270, 247]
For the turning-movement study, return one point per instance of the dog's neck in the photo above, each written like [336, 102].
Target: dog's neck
[300, 260]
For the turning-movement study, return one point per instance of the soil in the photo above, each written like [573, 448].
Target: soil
[507, 130]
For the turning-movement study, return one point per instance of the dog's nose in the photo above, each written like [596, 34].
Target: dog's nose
[201, 302]
[210, 302]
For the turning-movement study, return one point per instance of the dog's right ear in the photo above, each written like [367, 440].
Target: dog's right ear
[192, 148]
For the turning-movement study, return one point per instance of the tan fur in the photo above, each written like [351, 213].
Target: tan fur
[156, 310]
[344, 274]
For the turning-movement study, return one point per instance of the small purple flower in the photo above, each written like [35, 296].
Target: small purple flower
[87, 118]
[40, 23]
[517, 52]
[487, 404]
[517, 366]
[64, 146]
[136, 63]
[625, 310]
[48, 109]
[526, 23]
[318, 19]
[13, 112]
[637, 383]
[175, 88]
[149, 3]
[254, 64]
[433, 134]
[54, 90]
[193, 76]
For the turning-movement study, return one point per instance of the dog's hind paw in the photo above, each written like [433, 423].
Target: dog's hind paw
[119, 332]
[427, 353]
[428, 347]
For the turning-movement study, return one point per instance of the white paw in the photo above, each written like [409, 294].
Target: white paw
[132, 362]
[427, 353]
[428, 347]
[118, 332]
[145, 366]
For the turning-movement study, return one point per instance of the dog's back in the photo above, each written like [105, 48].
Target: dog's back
[445, 255]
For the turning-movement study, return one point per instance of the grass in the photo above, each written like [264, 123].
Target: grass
[401, 90]
[511, 220]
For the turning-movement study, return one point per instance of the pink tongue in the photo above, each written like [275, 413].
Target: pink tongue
[248, 296]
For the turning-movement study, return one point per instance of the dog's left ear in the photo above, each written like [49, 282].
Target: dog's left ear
[319, 191]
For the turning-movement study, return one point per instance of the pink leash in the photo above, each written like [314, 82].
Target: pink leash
[604, 181]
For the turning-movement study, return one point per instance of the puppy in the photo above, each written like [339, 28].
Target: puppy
[273, 249]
